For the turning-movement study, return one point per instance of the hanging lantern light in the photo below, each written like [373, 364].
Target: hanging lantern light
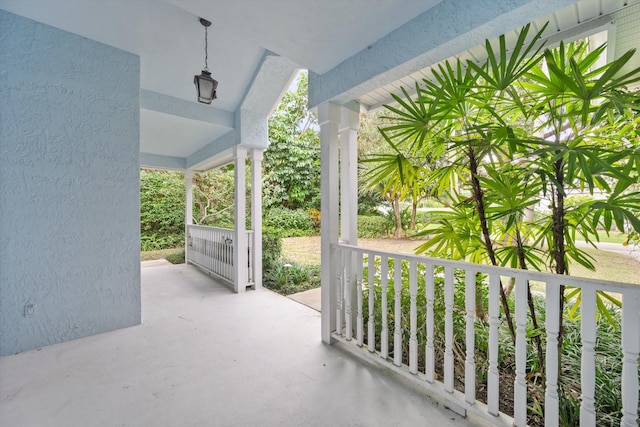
[205, 85]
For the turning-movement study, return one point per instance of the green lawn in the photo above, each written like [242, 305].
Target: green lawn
[613, 237]
[159, 254]
[609, 265]
[306, 250]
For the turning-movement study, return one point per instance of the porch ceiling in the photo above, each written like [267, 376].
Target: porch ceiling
[167, 36]
[359, 50]
[570, 23]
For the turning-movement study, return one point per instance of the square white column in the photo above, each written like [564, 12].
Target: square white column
[240, 257]
[188, 214]
[256, 156]
[329, 120]
[349, 125]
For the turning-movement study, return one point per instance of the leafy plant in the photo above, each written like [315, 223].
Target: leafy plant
[290, 222]
[162, 208]
[370, 226]
[288, 277]
[176, 257]
[292, 161]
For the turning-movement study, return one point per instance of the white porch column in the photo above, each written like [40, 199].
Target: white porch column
[349, 124]
[256, 214]
[240, 257]
[328, 119]
[188, 214]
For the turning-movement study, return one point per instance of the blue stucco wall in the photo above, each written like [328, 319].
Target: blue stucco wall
[69, 186]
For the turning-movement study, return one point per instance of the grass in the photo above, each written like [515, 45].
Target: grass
[160, 254]
[609, 265]
[613, 237]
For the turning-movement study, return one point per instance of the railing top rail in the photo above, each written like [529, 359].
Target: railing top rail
[207, 227]
[578, 282]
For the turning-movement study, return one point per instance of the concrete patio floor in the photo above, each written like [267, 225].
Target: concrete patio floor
[204, 356]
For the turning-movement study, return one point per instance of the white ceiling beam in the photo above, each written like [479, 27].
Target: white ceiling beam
[155, 101]
[156, 161]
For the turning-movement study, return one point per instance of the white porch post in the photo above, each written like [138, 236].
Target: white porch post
[349, 124]
[256, 214]
[188, 214]
[240, 234]
[329, 119]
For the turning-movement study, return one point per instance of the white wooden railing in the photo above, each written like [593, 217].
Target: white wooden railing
[364, 283]
[211, 248]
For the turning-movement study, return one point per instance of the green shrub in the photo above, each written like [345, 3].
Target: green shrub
[432, 202]
[370, 226]
[608, 344]
[271, 248]
[154, 241]
[423, 218]
[288, 277]
[289, 222]
[162, 196]
[176, 257]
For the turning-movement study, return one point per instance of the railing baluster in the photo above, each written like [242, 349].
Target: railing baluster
[413, 317]
[384, 334]
[429, 350]
[359, 321]
[346, 300]
[493, 375]
[397, 312]
[470, 364]
[588, 363]
[551, 401]
[349, 273]
[371, 333]
[448, 329]
[630, 350]
[339, 292]
[520, 383]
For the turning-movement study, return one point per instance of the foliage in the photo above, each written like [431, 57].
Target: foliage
[162, 195]
[369, 201]
[176, 257]
[271, 248]
[288, 277]
[370, 226]
[524, 127]
[608, 345]
[292, 161]
[152, 242]
[213, 197]
[162, 204]
[290, 223]
[500, 136]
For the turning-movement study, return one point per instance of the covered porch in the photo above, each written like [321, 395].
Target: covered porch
[202, 356]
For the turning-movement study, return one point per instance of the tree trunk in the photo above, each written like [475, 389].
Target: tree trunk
[532, 309]
[479, 199]
[558, 251]
[395, 204]
[414, 210]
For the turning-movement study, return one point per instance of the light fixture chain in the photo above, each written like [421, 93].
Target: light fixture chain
[206, 46]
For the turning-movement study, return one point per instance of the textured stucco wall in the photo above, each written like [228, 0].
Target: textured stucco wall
[69, 186]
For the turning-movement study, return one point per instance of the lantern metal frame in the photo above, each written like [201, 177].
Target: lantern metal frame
[206, 86]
